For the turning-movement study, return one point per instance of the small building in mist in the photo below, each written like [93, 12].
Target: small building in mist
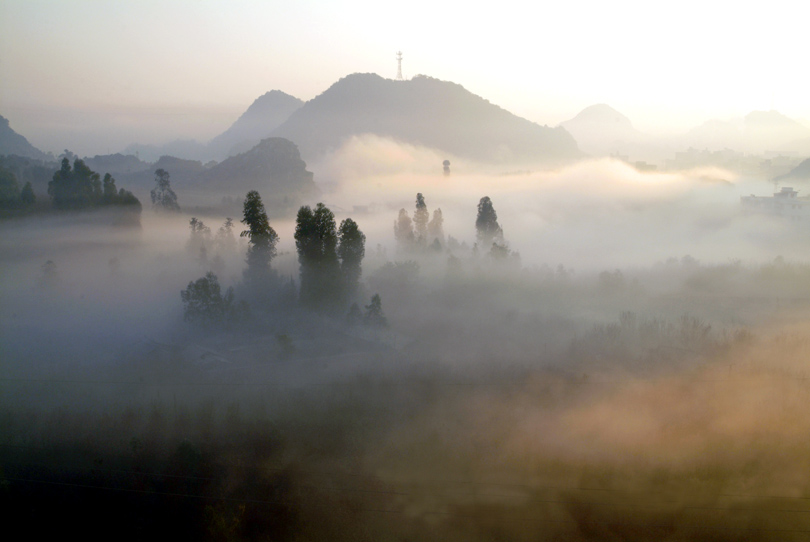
[784, 203]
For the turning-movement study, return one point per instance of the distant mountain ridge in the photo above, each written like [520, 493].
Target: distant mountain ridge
[265, 114]
[273, 167]
[422, 111]
[800, 173]
[601, 130]
[757, 132]
[12, 143]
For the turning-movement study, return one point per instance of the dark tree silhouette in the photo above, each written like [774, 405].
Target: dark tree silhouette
[9, 190]
[204, 303]
[110, 192]
[81, 187]
[163, 197]
[351, 250]
[262, 238]
[420, 220]
[486, 224]
[75, 188]
[316, 241]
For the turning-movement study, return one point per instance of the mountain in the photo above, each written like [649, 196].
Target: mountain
[184, 173]
[800, 173]
[422, 111]
[187, 149]
[757, 132]
[13, 143]
[273, 167]
[601, 130]
[265, 114]
[116, 164]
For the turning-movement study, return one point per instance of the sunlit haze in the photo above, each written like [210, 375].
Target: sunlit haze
[551, 283]
[100, 75]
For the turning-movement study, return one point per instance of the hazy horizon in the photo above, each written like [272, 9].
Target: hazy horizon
[151, 73]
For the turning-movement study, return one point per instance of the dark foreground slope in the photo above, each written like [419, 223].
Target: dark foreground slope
[422, 111]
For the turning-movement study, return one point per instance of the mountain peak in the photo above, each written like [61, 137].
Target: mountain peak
[270, 102]
[602, 114]
[423, 111]
[265, 113]
[601, 130]
[770, 118]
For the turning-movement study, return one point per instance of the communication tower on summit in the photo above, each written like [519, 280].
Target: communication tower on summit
[399, 66]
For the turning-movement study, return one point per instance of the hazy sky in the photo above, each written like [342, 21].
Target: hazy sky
[96, 75]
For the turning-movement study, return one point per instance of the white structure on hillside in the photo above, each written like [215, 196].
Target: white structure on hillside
[784, 203]
[399, 66]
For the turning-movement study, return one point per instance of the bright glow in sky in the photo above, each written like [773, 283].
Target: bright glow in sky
[97, 75]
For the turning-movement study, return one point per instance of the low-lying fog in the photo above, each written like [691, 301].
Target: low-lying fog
[637, 372]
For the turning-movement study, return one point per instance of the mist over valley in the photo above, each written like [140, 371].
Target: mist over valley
[396, 310]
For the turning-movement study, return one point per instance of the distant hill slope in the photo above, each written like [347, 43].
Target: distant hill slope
[273, 167]
[422, 111]
[12, 143]
[757, 132]
[599, 129]
[116, 164]
[264, 115]
[800, 173]
[187, 149]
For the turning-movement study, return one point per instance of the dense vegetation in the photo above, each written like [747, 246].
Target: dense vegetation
[443, 393]
[80, 187]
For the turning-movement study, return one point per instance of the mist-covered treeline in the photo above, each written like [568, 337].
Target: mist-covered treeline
[413, 362]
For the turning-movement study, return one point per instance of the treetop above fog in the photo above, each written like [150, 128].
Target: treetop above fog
[80, 187]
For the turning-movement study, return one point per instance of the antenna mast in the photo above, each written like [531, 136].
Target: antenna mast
[399, 66]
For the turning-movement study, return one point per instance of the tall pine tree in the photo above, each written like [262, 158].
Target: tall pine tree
[420, 221]
[316, 242]
[262, 239]
[351, 250]
[486, 224]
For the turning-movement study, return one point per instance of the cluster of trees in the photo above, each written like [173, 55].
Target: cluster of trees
[80, 187]
[205, 304]
[489, 233]
[163, 197]
[11, 197]
[421, 232]
[330, 256]
[330, 259]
